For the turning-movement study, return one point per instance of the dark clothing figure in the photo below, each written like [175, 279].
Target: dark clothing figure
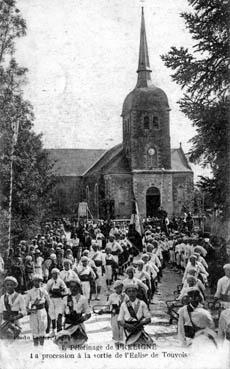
[135, 238]
[17, 271]
[189, 223]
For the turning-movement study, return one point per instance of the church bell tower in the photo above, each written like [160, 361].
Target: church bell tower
[145, 114]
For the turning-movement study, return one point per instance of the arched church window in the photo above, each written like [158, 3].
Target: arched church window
[128, 125]
[155, 122]
[125, 125]
[96, 194]
[87, 193]
[146, 122]
[180, 194]
[121, 194]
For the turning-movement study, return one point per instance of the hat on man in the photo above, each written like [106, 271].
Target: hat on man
[202, 318]
[193, 256]
[118, 283]
[192, 271]
[67, 261]
[130, 285]
[37, 277]
[145, 256]
[69, 251]
[191, 278]
[149, 247]
[139, 262]
[194, 293]
[55, 270]
[154, 243]
[84, 258]
[200, 250]
[95, 245]
[11, 279]
[226, 266]
[130, 269]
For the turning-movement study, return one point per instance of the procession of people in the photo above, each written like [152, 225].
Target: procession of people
[62, 276]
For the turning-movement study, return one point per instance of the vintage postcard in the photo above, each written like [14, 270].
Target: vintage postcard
[114, 248]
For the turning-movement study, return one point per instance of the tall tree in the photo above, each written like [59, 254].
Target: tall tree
[203, 75]
[32, 174]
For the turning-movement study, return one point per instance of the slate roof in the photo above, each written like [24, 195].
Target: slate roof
[179, 161]
[105, 159]
[73, 162]
[79, 162]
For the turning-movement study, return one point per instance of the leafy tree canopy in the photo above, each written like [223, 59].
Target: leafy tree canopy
[203, 75]
[32, 171]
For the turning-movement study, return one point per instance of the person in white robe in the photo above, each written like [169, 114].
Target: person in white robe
[76, 312]
[57, 289]
[36, 298]
[114, 302]
[85, 274]
[68, 274]
[223, 288]
[110, 265]
[133, 316]
[98, 258]
[186, 326]
[14, 299]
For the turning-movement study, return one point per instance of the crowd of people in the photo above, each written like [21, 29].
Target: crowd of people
[56, 277]
[188, 257]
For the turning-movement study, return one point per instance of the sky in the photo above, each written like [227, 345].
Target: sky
[82, 58]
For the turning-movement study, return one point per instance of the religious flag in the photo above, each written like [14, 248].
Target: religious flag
[135, 218]
[82, 209]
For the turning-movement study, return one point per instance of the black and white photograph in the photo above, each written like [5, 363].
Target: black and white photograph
[114, 184]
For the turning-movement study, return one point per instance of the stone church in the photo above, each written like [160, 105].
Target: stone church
[143, 167]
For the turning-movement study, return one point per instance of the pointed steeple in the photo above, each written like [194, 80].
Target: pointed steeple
[144, 71]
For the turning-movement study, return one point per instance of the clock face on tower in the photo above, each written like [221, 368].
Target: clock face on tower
[151, 151]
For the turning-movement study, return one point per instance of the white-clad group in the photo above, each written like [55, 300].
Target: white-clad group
[58, 280]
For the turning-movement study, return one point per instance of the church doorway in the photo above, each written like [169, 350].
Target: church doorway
[153, 201]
